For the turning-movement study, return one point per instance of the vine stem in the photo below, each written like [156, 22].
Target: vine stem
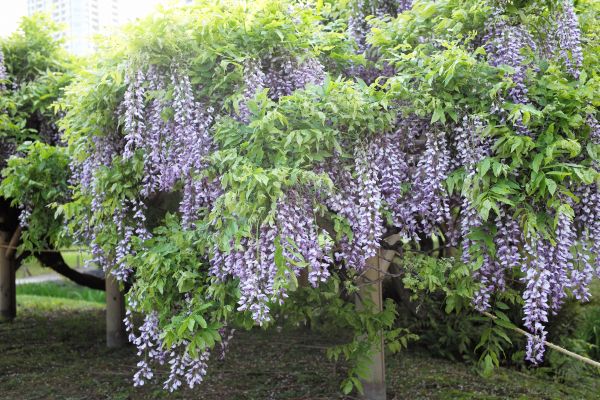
[562, 350]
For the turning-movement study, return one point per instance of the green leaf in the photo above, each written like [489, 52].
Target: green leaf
[551, 185]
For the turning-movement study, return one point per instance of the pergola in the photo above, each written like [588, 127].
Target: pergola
[10, 233]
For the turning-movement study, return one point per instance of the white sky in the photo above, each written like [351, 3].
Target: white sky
[12, 10]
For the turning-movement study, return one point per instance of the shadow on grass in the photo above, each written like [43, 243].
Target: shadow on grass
[55, 350]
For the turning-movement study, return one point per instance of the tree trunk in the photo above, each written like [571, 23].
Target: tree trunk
[115, 313]
[374, 385]
[8, 298]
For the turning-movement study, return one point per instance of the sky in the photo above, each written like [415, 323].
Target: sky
[12, 10]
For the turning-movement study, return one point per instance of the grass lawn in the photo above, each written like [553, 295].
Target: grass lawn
[55, 350]
[57, 291]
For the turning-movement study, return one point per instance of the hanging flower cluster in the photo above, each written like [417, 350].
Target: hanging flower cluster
[3, 73]
[569, 38]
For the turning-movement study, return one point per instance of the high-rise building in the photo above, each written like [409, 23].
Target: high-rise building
[81, 19]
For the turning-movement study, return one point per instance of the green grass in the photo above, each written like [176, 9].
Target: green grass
[34, 268]
[64, 290]
[55, 350]
[42, 304]
[76, 259]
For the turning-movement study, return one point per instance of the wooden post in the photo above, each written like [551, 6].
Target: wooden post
[115, 313]
[8, 298]
[374, 385]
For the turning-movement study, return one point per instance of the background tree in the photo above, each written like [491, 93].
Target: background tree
[33, 74]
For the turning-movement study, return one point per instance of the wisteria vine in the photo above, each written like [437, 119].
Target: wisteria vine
[393, 180]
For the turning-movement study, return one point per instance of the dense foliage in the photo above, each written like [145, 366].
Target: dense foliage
[226, 155]
[507, 87]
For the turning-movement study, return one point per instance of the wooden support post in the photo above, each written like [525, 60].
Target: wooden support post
[374, 385]
[115, 314]
[8, 298]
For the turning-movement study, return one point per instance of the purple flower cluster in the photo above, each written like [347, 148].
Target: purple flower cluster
[281, 75]
[255, 82]
[285, 76]
[252, 261]
[182, 367]
[226, 334]
[505, 45]
[536, 295]
[569, 38]
[134, 106]
[562, 260]
[174, 150]
[390, 163]
[300, 237]
[469, 144]
[431, 201]
[358, 198]
[126, 228]
[508, 241]
[594, 126]
[3, 73]
[588, 219]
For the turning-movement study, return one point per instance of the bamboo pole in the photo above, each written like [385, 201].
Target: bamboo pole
[551, 345]
[115, 313]
[371, 287]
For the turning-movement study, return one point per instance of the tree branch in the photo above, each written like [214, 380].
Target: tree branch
[56, 262]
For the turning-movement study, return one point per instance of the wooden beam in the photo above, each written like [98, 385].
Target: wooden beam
[14, 241]
[371, 287]
[115, 313]
[8, 298]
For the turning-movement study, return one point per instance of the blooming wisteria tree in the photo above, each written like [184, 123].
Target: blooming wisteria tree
[222, 153]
